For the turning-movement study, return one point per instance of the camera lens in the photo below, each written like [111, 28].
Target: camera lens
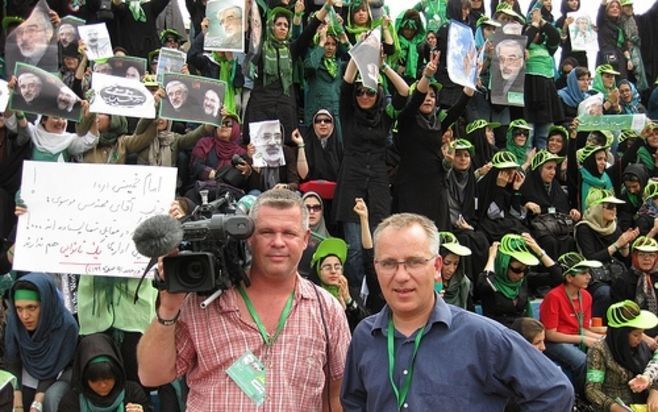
[192, 273]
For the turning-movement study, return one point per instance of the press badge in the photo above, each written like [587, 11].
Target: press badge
[552, 210]
[248, 373]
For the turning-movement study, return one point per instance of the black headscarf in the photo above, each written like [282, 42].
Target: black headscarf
[564, 8]
[323, 163]
[373, 116]
[535, 190]
[484, 151]
[590, 165]
[461, 192]
[632, 359]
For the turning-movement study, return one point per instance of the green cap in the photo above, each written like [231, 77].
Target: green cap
[573, 263]
[626, 3]
[506, 8]
[152, 55]
[542, 157]
[487, 21]
[171, 32]
[330, 246]
[480, 124]
[650, 190]
[504, 160]
[607, 68]
[558, 129]
[8, 21]
[450, 242]
[645, 244]
[519, 124]
[651, 125]
[515, 246]
[628, 134]
[627, 314]
[597, 196]
[462, 144]
[150, 80]
[588, 150]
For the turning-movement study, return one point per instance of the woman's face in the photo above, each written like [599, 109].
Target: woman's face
[646, 261]
[601, 158]
[516, 270]
[431, 40]
[489, 134]
[625, 93]
[450, 264]
[488, 31]
[102, 387]
[331, 270]
[28, 312]
[462, 161]
[614, 9]
[429, 103]
[314, 208]
[330, 47]
[365, 98]
[627, 10]
[609, 212]
[323, 125]
[223, 132]
[281, 27]
[652, 138]
[55, 125]
[520, 137]
[360, 16]
[573, 4]
[554, 144]
[504, 177]
[608, 80]
[635, 337]
[583, 83]
[538, 341]
[548, 171]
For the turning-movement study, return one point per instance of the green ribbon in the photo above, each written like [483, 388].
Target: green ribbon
[269, 341]
[402, 393]
[137, 11]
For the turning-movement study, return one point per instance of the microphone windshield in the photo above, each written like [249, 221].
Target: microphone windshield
[157, 236]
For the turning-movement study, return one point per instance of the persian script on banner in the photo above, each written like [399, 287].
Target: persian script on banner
[81, 217]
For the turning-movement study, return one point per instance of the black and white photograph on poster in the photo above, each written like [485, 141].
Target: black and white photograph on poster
[192, 99]
[582, 32]
[67, 32]
[129, 67]
[97, 40]
[33, 42]
[170, 61]
[121, 96]
[40, 92]
[225, 25]
[268, 139]
[508, 69]
[4, 96]
[366, 54]
[462, 55]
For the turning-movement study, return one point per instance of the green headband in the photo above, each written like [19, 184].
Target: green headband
[100, 359]
[26, 294]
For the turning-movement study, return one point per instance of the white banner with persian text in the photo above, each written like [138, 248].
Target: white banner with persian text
[81, 217]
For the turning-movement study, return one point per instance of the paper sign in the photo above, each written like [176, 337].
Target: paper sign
[121, 96]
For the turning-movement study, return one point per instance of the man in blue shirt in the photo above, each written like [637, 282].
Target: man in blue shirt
[420, 354]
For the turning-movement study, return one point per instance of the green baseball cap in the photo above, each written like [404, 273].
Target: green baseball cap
[330, 246]
[480, 124]
[515, 246]
[462, 144]
[542, 157]
[588, 150]
[573, 263]
[645, 244]
[627, 314]
[607, 68]
[504, 160]
[450, 242]
[597, 196]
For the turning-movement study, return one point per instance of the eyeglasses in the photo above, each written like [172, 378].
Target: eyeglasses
[314, 208]
[610, 206]
[368, 92]
[323, 120]
[518, 270]
[335, 267]
[411, 265]
[227, 123]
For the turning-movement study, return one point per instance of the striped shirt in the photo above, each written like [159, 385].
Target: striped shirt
[209, 341]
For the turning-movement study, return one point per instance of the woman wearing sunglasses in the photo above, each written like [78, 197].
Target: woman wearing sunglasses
[366, 126]
[419, 142]
[322, 151]
[502, 287]
[598, 237]
[518, 142]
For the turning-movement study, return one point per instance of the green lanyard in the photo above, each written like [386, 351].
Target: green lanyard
[269, 342]
[580, 315]
[401, 394]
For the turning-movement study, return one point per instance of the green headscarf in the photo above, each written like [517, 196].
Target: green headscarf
[502, 282]
[118, 127]
[137, 11]
[227, 70]
[277, 62]
[519, 151]
[409, 48]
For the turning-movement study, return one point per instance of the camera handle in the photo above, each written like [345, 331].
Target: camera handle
[210, 299]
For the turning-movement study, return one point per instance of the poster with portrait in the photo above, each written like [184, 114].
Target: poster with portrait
[127, 66]
[462, 55]
[4, 95]
[226, 23]
[366, 54]
[581, 32]
[268, 139]
[170, 61]
[192, 99]
[255, 30]
[121, 96]
[33, 42]
[508, 69]
[97, 40]
[40, 92]
[67, 32]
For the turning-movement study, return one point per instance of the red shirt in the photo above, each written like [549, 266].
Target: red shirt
[555, 312]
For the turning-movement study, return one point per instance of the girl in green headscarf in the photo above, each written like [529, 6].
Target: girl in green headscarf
[359, 22]
[411, 35]
[518, 142]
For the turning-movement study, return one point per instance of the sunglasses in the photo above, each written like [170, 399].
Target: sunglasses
[522, 131]
[368, 92]
[227, 123]
[518, 270]
[610, 206]
[314, 208]
[323, 120]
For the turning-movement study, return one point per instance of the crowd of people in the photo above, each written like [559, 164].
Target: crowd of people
[384, 217]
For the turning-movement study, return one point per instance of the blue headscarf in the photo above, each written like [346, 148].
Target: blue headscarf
[45, 352]
[634, 106]
[572, 95]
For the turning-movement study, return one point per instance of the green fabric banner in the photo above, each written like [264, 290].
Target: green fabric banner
[612, 122]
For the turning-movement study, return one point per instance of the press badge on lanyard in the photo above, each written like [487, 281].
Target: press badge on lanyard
[248, 372]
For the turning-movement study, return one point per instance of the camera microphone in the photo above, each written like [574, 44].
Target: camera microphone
[158, 236]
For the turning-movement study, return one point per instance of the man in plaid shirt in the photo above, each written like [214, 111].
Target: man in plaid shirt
[279, 344]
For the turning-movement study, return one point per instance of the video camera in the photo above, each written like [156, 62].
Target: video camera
[213, 252]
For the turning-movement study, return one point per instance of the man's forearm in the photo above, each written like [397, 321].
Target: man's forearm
[156, 355]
